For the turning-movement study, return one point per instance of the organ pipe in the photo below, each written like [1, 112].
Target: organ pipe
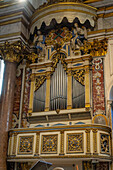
[78, 94]
[39, 98]
[58, 96]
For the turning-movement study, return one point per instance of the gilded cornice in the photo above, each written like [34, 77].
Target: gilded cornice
[12, 52]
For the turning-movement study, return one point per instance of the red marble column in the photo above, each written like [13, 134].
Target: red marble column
[6, 110]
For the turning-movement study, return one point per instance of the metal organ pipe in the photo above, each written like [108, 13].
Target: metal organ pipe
[78, 94]
[39, 98]
[58, 96]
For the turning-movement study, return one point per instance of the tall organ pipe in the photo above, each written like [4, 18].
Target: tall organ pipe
[39, 98]
[58, 96]
[78, 94]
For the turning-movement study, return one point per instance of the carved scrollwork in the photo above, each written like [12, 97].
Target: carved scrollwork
[55, 60]
[104, 139]
[32, 57]
[95, 48]
[79, 75]
[39, 81]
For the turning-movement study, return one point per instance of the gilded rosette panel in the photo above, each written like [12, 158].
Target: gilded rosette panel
[75, 143]
[49, 144]
[25, 145]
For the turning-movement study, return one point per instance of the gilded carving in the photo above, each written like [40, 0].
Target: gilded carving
[39, 81]
[58, 37]
[49, 143]
[104, 142]
[79, 75]
[32, 57]
[74, 143]
[12, 52]
[25, 145]
[95, 48]
[55, 59]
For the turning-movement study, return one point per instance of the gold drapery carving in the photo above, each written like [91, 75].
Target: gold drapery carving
[39, 81]
[55, 59]
[79, 75]
[95, 48]
[12, 52]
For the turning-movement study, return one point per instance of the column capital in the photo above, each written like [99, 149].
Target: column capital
[12, 52]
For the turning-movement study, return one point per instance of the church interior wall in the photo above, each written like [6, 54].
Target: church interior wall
[32, 132]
